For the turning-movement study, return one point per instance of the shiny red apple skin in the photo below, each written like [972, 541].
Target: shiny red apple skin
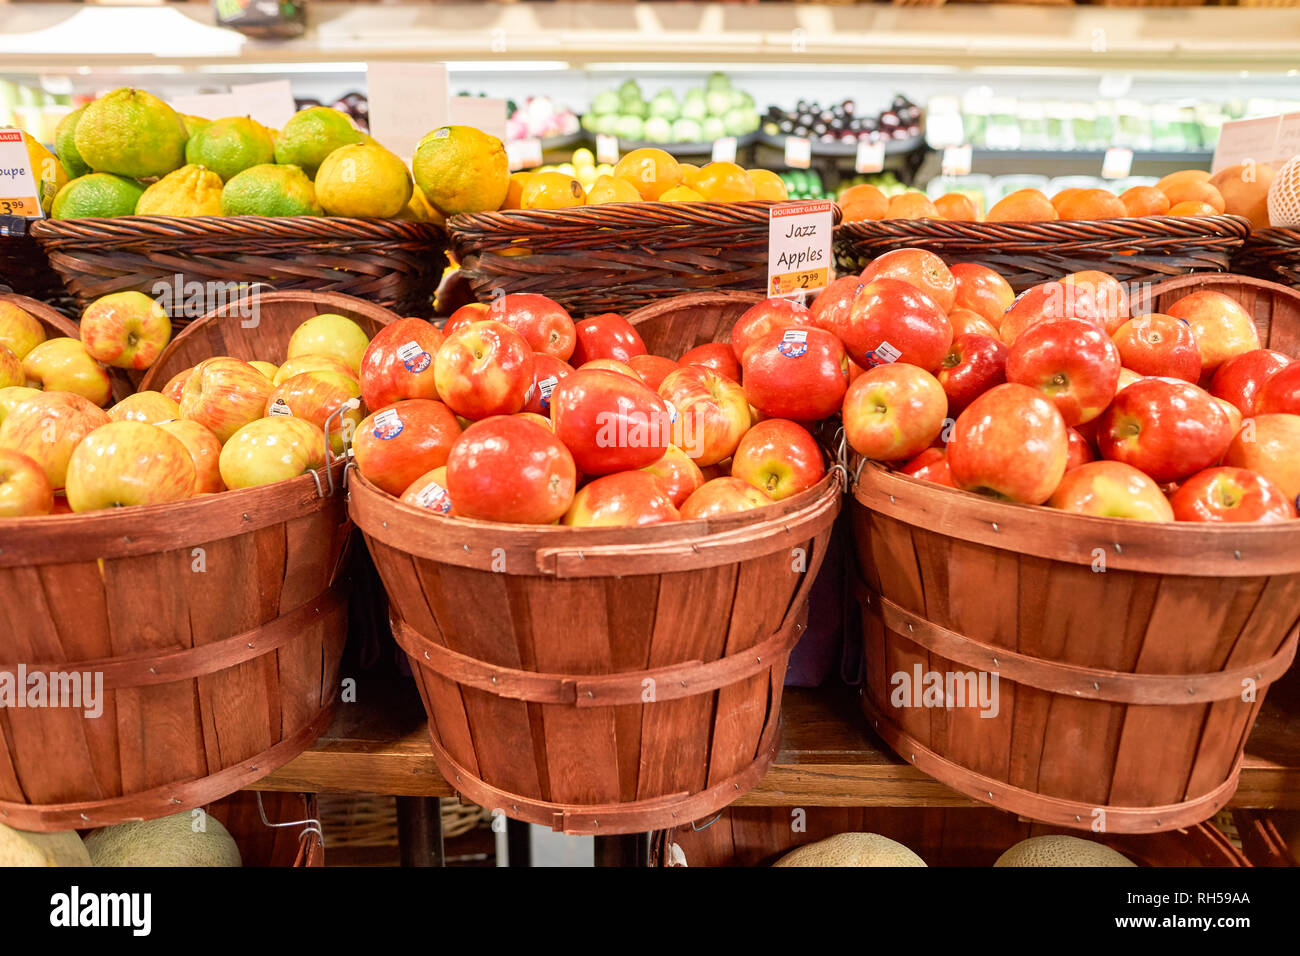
[1167, 428]
[1280, 394]
[981, 290]
[1072, 362]
[1231, 494]
[716, 356]
[510, 470]
[607, 335]
[464, 317]
[545, 325]
[548, 372]
[712, 413]
[623, 499]
[484, 370]
[318, 397]
[892, 316]
[1270, 446]
[677, 473]
[894, 412]
[24, 489]
[763, 318]
[830, 310]
[802, 380]
[918, 267]
[653, 369]
[224, 394]
[397, 444]
[48, 427]
[388, 377]
[974, 364]
[1011, 443]
[723, 496]
[1080, 452]
[1090, 296]
[1222, 327]
[964, 321]
[1159, 344]
[931, 465]
[610, 422]
[1239, 379]
[779, 457]
[1111, 489]
[613, 365]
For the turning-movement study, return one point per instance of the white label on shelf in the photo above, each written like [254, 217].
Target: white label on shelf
[1246, 141]
[870, 158]
[956, 160]
[407, 100]
[270, 103]
[798, 152]
[799, 247]
[1117, 163]
[724, 149]
[487, 113]
[606, 148]
[524, 153]
[18, 191]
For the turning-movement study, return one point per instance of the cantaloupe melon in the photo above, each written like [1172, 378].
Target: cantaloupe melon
[169, 841]
[1061, 850]
[20, 848]
[852, 849]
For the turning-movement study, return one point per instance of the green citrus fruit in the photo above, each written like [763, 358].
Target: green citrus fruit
[363, 180]
[193, 123]
[229, 146]
[65, 145]
[270, 190]
[312, 134]
[188, 191]
[97, 194]
[131, 133]
[462, 169]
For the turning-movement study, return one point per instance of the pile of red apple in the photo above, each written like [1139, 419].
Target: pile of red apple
[1062, 397]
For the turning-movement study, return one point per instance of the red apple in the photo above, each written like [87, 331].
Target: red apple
[1231, 494]
[1080, 451]
[770, 315]
[677, 473]
[608, 335]
[712, 413]
[653, 369]
[723, 496]
[312, 362]
[623, 499]
[779, 457]
[1159, 344]
[548, 372]
[982, 291]
[798, 373]
[429, 492]
[613, 365]
[1280, 393]
[716, 356]
[1267, 444]
[1090, 296]
[224, 394]
[920, 268]
[545, 324]
[830, 310]
[398, 363]
[47, 428]
[893, 412]
[315, 397]
[484, 370]
[507, 469]
[398, 444]
[893, 321]
[1165, 427]
[205, 452]
[964, 321]
[610, 422]
[125, 330]
[1072, 362]
[24, 489]
[175, 386]
[1011, 443]
[1111, 489]
[1239, 379]
[128, 463]
[464, 317]
[1222, 328]
[973, 365]
[931, 465]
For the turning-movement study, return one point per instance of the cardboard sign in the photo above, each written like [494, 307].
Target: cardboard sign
[486, 113]
[1117, 163]
[270, 103]
[524, 153]
[870, 157]
[724, 150]
[799, 247]
[798, 152]
[407, 101]
[19, 192]
[956, 161]
[606, 149]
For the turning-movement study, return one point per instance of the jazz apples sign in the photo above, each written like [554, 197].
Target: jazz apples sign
[799, 247]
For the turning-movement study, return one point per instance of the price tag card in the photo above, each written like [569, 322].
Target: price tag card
[207, 105]
[407, 101]
[955, 161]
[19, 195]
[799, 247]
[798, 152]
[1251, 140]
[606, 149]
[870, 158]
[1288, 138]
[724, 149]
[271, 103]
[486, 113]
[1117, 163]
[524, 153]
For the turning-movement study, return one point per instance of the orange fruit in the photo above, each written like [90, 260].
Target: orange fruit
[1182, 176]
[681, 194]
[1091, 204]
[611, 189]
[688, 170]
[1063, 195]
[1191, 207]
[957, 206]
[552, 191]
[515, 191]
[911, 205]
[867, 202]
[1023, 205]
[1189, 191]
[652, 171]
[767, 185]
[1244, 188]
[1145, 201]
[723, 182]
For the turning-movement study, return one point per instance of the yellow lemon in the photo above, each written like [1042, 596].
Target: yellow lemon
[553, 191]
[462, 170]
[363, 180]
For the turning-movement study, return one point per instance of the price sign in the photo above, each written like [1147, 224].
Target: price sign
[1288, 138]
[270, 103]
[1117, 163]
[606, 149]
[1250, 140]
[798, 152]
[407, 100]
[524, 153]
[870, 157]
[724, 149]
[799, 247]
[484, 113]
[19, 194]
[955, 161]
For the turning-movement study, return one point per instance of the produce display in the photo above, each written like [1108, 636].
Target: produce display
[843, 123]
[703, 114]
[539, 117]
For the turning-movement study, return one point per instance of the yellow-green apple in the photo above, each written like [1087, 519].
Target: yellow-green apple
[965, 322]
[1010, 443]
[128, 463]
[330, 334]
[175, 387]
[779, 457]
[1280, 394]
[224, 394]
[1239, 379]
[1090, 296]
[24, 489]
[548, 372]
[712, 413]
[1267, 444]
[623, 499]
[893, 412]
[465, 316]
[975, 363]
[396, 445]
[506, 469]
[1165, 427]
[429, 492]
[266, 368]
[610, 422]
[1080, 452]
[315, 362]
[613, 365]
[607, 335]
[205, 452]
[918, 267]
[63, 365]
[315, 396]
[1221, 327]
[799, 373]
[125, 330]
[147, 406]
[1231, 494]
[678, 474]
[830, 309]
[715, 356]
[722, 496]
[1111, 489]
[11, 369]
[545, 324]
[981, 290]
[13, 396]
[770, 315]
[931, 465]
[653, 369]
[20, 331]
[398, 363]
[1159, 344]
[894, 321]
[271, 449]
[1072, 362]
[483, 370]
[48, 427]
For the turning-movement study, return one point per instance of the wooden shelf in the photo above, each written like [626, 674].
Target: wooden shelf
[827, 758]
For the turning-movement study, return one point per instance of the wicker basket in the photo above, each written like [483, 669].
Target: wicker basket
[273, 829]
[58, 325]
[1120, 692]
[394, 263]
[1272, 254]
[25, 268]
[615, 257]
[1028, 253]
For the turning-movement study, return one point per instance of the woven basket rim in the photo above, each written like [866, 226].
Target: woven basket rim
[1136, 228]
[197, 226]
[1284, 236]
[655, 214]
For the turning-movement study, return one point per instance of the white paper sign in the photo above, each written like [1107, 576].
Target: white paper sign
[956, 161]
[485, 113]
[1117, 163]
[799, 247]
[1246, 140]
[211, 106]
[407, 101]
[524, 153]
[870, 158]
[606, 148]
[724, 149]
[1288, 138]
[270, 103]
[798, 152]
[18, 191]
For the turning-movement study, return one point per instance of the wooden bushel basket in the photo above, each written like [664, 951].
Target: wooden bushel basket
[1132, 657]
[58, 325]
[602, 680]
